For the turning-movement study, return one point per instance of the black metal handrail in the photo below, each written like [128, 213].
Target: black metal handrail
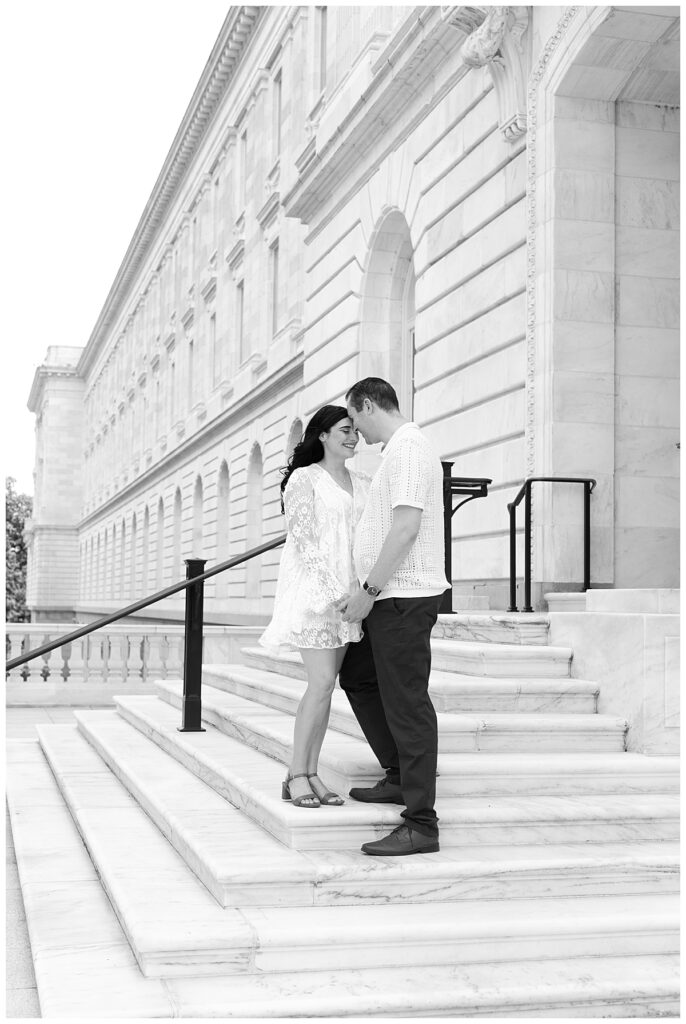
[473, 487]
[145, 602]
[525, 492]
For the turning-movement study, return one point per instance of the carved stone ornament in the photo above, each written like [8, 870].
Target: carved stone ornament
[498, 44]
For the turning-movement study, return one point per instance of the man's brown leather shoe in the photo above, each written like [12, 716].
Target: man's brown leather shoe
[384, 792]
[402, 841]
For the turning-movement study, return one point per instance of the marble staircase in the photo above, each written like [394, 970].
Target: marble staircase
[554, 893]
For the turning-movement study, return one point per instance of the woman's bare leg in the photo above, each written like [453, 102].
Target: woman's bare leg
[312, 716]
[318, 738]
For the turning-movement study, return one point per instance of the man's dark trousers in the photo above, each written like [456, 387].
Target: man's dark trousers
[386, 679]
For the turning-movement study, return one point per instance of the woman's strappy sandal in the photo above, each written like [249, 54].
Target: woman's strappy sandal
[298, 801]
[328, 798]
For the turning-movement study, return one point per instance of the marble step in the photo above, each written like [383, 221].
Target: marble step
[451, 691]
[347, 761]
[85, 968]
[493, 627]
[566, 601]
[502, 660]
[176, 927]
[242, 865]
[457, 733]
[252, 781]
[474, 658]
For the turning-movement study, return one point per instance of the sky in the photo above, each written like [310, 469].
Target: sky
[93, 94]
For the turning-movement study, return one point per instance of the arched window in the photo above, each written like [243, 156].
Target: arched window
[133, 567]
[222, 549]
[176, 567]
[122, 560]
[159, 546]
[294, 436]
[113, 562]
[196, 549]
[145, 582]
[255, 515]
[387, 312]
[98, 570]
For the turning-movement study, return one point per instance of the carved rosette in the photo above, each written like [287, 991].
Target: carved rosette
[499, 44]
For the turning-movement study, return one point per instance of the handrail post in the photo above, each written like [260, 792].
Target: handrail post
[587, 535]
[446, 607]
[192, 651]
[527, 548]
[512, 509]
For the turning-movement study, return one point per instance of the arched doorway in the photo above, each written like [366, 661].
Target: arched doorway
[602, 354]
[387, 313]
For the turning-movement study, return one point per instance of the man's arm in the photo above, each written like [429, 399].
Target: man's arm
[395, 549]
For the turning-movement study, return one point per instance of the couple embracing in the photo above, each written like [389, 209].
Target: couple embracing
[360, 584]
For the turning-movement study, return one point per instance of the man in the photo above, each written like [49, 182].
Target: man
[399, 558]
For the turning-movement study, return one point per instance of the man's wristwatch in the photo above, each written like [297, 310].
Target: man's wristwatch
[371, 590]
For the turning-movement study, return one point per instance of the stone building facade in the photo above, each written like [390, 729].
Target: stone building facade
[479, 204]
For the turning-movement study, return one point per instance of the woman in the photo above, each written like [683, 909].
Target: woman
[322, 501]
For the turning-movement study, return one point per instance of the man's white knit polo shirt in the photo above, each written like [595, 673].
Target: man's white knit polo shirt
[410, 474]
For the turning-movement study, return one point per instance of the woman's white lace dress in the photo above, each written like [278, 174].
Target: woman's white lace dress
[317, 565]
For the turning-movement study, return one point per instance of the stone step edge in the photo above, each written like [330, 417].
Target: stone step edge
[255, 940]
[482, 762]
[319, 870]
[449, 683]
[79, 982]
[369, 815]
[453, 721]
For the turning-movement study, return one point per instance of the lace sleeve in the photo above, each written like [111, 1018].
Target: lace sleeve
[302, 527]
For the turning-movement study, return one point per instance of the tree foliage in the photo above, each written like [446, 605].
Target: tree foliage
[18, 508]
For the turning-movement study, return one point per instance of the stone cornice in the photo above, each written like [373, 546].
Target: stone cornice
[217, 75]
[41, 376]
[409, 57]
[265, 393]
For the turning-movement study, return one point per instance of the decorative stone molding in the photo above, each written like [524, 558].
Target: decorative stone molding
[267, 214]
[498, 44]
[189, 315]
[208, 288]
[217, 76]
[531, 232]
[271, 182]
[234, 257]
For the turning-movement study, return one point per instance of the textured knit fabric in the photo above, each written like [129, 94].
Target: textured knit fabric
[316, 566]
[410, 474]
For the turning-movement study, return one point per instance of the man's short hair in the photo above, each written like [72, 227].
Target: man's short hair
[376, 390]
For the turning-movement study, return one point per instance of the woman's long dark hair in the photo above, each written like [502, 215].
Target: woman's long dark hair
[310, 449]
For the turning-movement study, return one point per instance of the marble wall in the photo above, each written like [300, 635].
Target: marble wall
[647, 345]
[628, 641]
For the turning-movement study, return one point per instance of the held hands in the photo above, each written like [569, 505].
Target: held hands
[356, 606]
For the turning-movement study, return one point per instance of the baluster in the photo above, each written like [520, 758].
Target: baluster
[44, 668]
[97, 656]
[176, 645]
[136, 657]
[117, 656]
[74, 660]
[154, 663]
[14, 643]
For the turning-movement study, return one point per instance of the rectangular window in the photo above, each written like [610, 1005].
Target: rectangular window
[240, 302]
[276, 114]
[274, 279]
[215, 213]
[321, 46]
[213, 349]
[242, 171]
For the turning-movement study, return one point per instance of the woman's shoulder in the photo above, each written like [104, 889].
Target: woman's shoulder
[300, 477]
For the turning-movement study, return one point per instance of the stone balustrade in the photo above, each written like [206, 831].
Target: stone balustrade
[116, 652]
[118, 659]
